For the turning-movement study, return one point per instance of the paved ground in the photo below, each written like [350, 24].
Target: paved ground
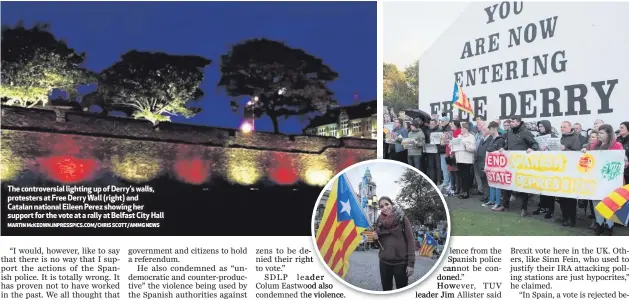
[364, 269]
[473, 204]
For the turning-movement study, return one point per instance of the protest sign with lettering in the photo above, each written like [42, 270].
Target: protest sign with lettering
[435, 138]
[456, 144]
[430, 148]
[534, 60]
[568, 174]
[548, 142]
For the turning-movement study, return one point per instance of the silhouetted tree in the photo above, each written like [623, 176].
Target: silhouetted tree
[286, 81]
[150, 85]
[34, 63]
[420, 197]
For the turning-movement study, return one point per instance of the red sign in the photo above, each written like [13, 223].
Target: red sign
[499, 177]
[496, 160]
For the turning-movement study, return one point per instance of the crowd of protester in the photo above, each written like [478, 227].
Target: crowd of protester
[461, 173]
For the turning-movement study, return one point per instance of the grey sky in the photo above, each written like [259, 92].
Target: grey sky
[410, 28]
[384, 174]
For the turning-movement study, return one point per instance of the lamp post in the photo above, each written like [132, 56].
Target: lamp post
[250, 117]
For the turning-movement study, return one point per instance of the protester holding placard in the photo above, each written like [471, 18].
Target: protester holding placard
[519, 138]
[399, 133]
[444, 126]
[546, 205]
[479, 163]
[465, 158]
[455, 181]
[417, 141]
[570, 141]
[478, 173]
[497, 143]
[606, 141]
[431, 151]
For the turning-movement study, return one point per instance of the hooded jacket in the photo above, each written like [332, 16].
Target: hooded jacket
[548, 128]
[520, 139]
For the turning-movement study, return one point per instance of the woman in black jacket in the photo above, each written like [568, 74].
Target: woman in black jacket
[397, 254]
[546, 204]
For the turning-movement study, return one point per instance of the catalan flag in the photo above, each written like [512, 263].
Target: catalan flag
[340, 228]
[428, 245]
[615, 206]
[460, 100]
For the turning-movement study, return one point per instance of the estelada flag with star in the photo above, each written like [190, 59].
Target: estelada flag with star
[460, 100]
[615, 206]
[340, 228]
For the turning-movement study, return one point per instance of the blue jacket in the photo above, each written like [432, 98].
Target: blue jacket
[398, 145]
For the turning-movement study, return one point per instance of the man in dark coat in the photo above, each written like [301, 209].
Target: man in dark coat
[433, 161]
[479, 160]
[518, 138]
[570, 141]
[546, 204]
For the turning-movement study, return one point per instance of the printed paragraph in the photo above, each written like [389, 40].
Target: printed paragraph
[274, 282]
[462, 263]
[71, 206]
[175, 273]
[42, 272]
[533, 271]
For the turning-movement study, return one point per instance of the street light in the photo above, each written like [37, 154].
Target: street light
[250, 113]
[246, 127]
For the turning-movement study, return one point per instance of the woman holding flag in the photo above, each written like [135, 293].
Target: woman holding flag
[394, 235]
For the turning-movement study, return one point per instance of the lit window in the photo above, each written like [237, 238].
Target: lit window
[344, 128]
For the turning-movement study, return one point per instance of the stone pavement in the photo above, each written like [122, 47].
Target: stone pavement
[364, 269]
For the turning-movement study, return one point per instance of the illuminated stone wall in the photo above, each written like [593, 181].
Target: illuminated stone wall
[72, 147]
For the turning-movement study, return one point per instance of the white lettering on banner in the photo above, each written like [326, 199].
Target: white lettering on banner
[528, 60]
[570, 174]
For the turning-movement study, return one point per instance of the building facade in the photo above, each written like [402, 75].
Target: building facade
[358, 121]
[367, 197]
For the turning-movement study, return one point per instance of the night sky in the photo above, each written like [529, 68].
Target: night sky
[343, 34]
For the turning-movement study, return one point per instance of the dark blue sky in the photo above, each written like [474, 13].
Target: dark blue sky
[343, 34]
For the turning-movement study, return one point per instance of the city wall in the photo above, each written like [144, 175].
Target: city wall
[71, 146]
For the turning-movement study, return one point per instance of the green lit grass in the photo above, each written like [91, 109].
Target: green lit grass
[479, 223]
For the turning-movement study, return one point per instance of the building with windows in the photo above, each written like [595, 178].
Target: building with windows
[366, 198]
[357, 120]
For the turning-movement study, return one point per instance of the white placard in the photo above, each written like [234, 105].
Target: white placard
[435, 138]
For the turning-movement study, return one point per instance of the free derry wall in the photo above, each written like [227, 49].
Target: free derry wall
[554, 61]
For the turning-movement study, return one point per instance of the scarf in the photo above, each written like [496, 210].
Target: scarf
[393, 219]
[456, 132]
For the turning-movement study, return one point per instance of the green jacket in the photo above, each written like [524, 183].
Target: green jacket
[419, 136]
